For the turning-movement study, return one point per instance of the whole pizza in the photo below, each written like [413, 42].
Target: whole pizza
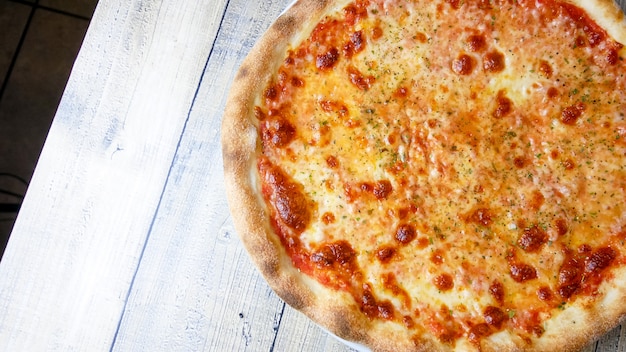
[432, 175]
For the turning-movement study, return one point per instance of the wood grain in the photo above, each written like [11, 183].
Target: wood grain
[193, 258]
[124, 241]
[76, 245]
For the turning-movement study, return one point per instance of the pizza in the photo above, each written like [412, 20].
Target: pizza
[434, 175]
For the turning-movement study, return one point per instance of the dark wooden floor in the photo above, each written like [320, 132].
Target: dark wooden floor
[39, 40]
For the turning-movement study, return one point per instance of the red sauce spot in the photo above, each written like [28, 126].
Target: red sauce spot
[600, 259]
[437, 257]
[332, 162]
[538, 330]
[401, 92]
[493, 62]
[519, 162]
[377, 33]
[485, 4]
[403, 213]
[271, 93]
[443, 282]
[286, 196]
[496, 289]
[420, 37]
[612, 54]
[356, 12]
[554, 154]
[455, 4]
[494, 316]
[568, 164]
[536, 200]
[595, 34]
[504, 105]
[463, 65]
[366, 187]
[338, 253]
[476, 42]
[571, 114]
[552, 93]
[570, 276]
[580, 41]
[382, 189]
[259, 114]
[335, 107]
[359, 80]
[297, 82]
[478, 332]
[545, 69]
[374, 309]
[327, 60]
[544, 293]
[422, 242]
[277, 132]
[328, 218]
[391, 284]
[532, 239]
[405, 234]
[561, 226]
[408, 322]
[521, 272]
[482, 216]
[355, 44]
[385, 254]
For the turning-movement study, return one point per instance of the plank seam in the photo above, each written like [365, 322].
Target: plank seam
[167, 180]
[282, 312]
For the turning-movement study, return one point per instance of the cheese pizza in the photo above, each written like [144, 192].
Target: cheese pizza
[434, 175]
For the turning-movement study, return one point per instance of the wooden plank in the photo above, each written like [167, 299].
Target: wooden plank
[609, 342]
[298, 333]
[196, 288]
[78, 239]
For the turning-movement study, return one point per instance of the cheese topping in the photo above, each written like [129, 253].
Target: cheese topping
[457, 167]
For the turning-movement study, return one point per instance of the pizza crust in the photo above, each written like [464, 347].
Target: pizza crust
[608, 14]
[241, 148]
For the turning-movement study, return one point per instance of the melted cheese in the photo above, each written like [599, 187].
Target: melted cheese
[501, 133]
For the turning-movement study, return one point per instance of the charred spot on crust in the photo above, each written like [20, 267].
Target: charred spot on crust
[293, 298]
[285, 24]
[243, 73]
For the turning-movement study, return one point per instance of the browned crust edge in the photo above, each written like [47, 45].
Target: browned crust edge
[575, 327]
[240, 148]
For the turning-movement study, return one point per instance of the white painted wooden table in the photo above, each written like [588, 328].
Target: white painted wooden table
[124, 241]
